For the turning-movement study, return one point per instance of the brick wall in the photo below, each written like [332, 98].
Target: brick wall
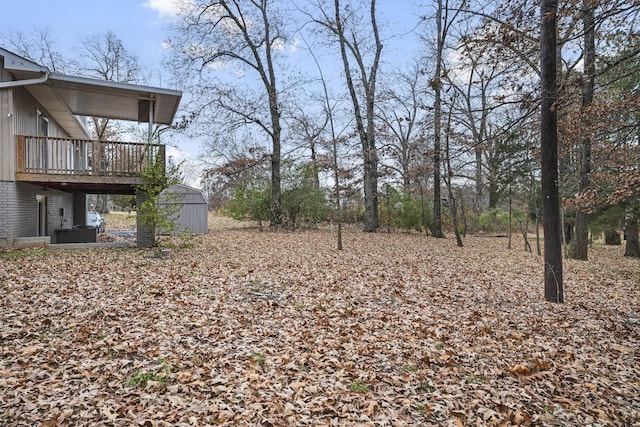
[145, 236]
[19, 210]
[6, 228]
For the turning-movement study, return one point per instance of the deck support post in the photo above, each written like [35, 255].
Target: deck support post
[145, 234]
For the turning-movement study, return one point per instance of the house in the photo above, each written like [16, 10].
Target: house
[49, 163]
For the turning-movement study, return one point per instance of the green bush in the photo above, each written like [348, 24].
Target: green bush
[353, 214]
[607, 218]
[304, 204]
[155, 178]
[399, 210]
[495, 220]
[251, 200]
[300, 200]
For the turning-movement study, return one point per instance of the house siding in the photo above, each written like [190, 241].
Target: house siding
[19, 216]
[26, 108]
[60, 200]
[19, 213]
[23, 109]
[7, 149]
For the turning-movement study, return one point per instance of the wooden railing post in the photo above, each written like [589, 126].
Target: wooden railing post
[20, 154]
[96, 158]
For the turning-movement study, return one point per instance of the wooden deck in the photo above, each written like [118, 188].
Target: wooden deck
[84, 165]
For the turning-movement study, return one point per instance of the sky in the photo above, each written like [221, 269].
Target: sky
[143, 26]
[138, 23]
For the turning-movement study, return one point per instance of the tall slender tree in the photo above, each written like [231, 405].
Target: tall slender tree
[334, 148]
[345, 25]
[436, 85]
[400, 111]
[248, 34]
[445, 17]
[581, 243]
[553, 286]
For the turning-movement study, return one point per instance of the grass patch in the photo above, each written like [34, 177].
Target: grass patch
[18, 254]
[358, 387]
[259, 359]
[141, 379]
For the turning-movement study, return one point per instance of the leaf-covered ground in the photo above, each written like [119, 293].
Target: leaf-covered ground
[275, 329]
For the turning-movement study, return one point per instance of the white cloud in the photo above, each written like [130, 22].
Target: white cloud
[278, 45]
[166, 8]
[190, 168]
[176, 154]
[293, 47]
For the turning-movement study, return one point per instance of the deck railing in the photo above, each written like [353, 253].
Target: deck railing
[68, 156]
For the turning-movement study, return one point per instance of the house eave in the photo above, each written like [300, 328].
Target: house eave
[66, 97]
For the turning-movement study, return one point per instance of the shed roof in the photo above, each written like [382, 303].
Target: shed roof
[187, 194]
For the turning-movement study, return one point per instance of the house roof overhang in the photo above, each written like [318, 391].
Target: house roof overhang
[66, 97]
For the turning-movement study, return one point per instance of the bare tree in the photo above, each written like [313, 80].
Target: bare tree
[248, 34]
[445, 17]
[346, 25]
[310, 128]
[579, 248]
[329, 112]
[40, 47]
[105, 57]
[448, 178]
[553, 286]
[400, 111]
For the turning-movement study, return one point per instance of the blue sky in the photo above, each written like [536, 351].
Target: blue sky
[141, 27]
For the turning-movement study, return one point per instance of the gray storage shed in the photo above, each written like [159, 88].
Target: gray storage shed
[193, 212]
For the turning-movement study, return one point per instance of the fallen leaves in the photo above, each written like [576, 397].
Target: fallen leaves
[520, 370]
[255, 328]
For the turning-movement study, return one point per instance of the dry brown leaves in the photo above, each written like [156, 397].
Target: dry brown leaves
[275, 329]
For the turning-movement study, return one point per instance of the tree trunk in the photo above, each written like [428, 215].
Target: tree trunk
[436, 84]
[366, 131]
[494, 193]
[102, 203]
[612, 238]
[276, 193]
[276, 179]
[370, 189]
[269, 80]
[510, 217]
[452, 198]
[553, 286]
[454, 215]
[465, 225]
[479, 196]
[538, 251]
[581, 242]
[314, 165]
[632, 248]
